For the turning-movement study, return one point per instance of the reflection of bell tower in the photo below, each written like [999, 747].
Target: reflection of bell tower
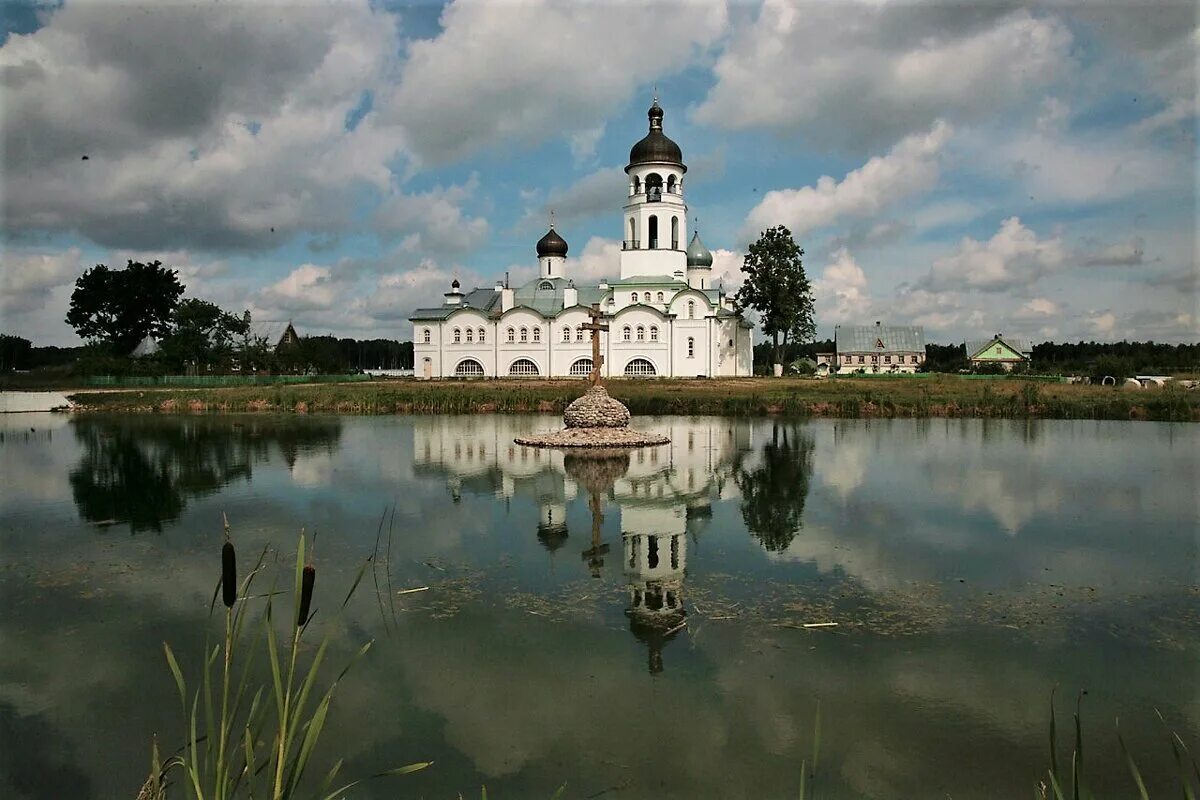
[552, 525]
[654, 567]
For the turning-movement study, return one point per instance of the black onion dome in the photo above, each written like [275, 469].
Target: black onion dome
[697, 254]
[454, 284]
[655, 147]
[552, 245]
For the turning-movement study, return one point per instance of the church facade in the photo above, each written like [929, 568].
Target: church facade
[665, 317]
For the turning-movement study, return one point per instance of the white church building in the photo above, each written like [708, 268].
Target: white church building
[664, 315]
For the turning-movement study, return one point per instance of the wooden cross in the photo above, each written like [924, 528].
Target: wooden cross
[596, 327]
[594, 556]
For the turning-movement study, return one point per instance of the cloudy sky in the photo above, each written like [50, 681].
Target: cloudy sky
[971, 167]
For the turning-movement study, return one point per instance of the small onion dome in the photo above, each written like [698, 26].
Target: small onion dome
[655, 148]
[454, 284]
[697, 254]
[552, 245]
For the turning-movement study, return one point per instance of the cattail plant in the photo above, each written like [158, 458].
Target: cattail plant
[228, 571]
[307, 580]
[232, 750]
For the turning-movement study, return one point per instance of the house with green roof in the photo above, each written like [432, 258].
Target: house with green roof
[1006, 351]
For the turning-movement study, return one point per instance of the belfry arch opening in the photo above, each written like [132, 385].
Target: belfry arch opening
[654, 186]
[672, 186]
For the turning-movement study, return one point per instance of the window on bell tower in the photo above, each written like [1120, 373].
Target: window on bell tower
[652, 233]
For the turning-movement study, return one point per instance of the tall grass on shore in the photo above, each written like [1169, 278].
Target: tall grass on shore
[244, 740]
[942, 396]
[1066, 782]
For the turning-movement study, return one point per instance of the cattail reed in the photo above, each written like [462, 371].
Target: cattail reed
[306, 590]
[228, 574]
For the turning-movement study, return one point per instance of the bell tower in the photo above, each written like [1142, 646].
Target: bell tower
[655, 215]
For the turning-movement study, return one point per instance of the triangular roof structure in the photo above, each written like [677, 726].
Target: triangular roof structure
[999, 347]
[146, 347]
[289, 337]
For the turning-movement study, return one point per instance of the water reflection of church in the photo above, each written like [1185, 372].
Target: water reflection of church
[662, 494]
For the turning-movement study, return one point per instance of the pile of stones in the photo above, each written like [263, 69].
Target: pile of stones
[595, 420]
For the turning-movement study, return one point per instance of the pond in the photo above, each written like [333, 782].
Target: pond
[632, 626]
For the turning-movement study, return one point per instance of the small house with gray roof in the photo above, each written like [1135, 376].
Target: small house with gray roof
[665, 315]
[1005, 351]
[878, 348]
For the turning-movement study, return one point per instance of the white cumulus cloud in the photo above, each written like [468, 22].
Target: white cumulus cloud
[909, 168]
[1014, 256]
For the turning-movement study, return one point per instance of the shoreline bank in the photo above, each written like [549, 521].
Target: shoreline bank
[931, 397]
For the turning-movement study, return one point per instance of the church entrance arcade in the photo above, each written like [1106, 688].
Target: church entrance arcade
[640, 368]
[523, 368]
[468, 368]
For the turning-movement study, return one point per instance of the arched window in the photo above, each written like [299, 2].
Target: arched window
[582, 367]
[524, 334]
[654, 333]
[482, 335]
[470, 336]
[632, 242]
[537, 334]
[691, 347]
[674, 231]
[660, 297]
[612, 301]
[646, 297]
[640, 368]
[633, 297]
[566, 334]
[523, 366]
[691, 309]
[625, 333]
[652, 234]
[468, 368]
[641, 333]
[457, 335]
[546, 285]
[671, 184]
[511, 336]
[427, 335]
[579, 334]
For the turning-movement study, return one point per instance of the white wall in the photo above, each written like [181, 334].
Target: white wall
[622, 352]
[537, 352]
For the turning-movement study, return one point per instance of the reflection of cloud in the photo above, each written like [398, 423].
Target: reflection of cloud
[844, 467]
[313, 469]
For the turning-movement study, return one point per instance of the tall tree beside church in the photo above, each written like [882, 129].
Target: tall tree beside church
[120, 307]
[777, 288]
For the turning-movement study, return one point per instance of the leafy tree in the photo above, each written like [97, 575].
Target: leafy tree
[15, 352]
[777, 288]
[775, 490]
[203, 334]
[121, 307]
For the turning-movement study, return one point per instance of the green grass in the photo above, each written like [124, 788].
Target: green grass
[936, 396]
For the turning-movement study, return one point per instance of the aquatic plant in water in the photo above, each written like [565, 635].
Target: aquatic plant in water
[237, 742]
